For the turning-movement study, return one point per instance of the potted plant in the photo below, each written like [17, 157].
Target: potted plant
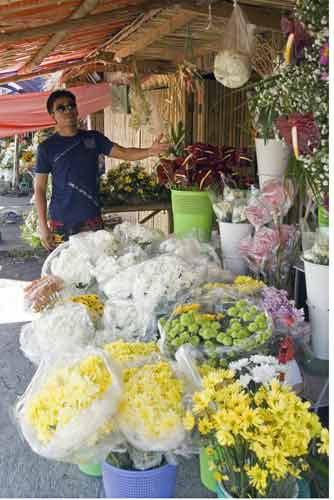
[190, 176]
[130, 184]
[258, 433]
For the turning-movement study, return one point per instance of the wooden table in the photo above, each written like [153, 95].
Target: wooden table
[154, 208]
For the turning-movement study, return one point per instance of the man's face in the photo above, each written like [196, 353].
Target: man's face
[65, 112]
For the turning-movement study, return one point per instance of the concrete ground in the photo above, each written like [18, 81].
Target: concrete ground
[23, 474]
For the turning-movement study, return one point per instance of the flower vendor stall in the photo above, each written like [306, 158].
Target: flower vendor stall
[150, 349]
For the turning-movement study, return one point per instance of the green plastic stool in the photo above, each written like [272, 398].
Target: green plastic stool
[192, 211]
[91, 469]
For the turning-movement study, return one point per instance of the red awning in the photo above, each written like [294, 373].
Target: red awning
[27, 112]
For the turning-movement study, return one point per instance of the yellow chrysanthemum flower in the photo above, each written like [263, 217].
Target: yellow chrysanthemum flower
[324, 446]
[258, 478]
[124, 352]
[186, 308]
[189, 421]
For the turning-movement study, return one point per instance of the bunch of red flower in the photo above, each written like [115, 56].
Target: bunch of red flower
[202, 166]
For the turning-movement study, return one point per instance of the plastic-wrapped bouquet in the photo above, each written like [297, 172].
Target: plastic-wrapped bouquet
[316, 246]
[137, 234]
[256, 370]
[257, 441]
[151, 410]
[283, 311]
[220, 331]
[272, 250]
[62, 328]
[232, 206]
[69, 404]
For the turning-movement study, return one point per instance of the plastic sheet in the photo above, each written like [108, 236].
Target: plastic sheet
[60, 329]
[137, 234]
[53, 396]
[152, 409]
[233, 64]
[231, 207]
[42, 292]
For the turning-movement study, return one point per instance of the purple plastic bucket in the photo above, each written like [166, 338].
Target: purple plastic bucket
[153, 483]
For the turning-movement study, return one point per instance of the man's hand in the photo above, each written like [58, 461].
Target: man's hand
[158, 147]
[47, 239]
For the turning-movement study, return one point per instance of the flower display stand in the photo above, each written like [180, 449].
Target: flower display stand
[91, 469]
[153, 483]
[317, 289]
[192, 211]
[272, 159]
[230, 236]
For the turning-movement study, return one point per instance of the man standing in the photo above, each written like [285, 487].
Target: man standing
[71, 157]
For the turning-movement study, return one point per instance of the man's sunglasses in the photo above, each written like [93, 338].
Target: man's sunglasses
[63, 107]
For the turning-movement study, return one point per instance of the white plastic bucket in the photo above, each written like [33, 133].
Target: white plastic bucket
[317, 289]
[230, 236]
[272, 159]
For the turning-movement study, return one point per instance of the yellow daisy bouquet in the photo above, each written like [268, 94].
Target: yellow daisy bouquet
[257, 442]
[151, 411]
[68, 407]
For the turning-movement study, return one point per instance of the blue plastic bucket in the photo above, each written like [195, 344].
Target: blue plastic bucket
[153, 483]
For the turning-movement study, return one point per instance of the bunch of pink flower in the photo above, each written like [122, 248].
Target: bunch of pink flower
[270, 252]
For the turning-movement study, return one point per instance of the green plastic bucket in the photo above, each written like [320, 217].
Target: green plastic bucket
[323, 217]
[192, 211]
[91, 469]
[207, 478]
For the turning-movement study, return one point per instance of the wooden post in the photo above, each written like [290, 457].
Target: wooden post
[16, 166]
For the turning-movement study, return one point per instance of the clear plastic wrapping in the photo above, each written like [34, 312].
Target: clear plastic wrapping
[42, 292]
[60, 329]
[231, 207]
[65, 412]
[138, 234]
[233, 63]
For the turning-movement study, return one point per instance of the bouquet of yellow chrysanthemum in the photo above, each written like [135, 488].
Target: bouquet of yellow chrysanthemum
[67, 411]
[257, 442]
[151, 410]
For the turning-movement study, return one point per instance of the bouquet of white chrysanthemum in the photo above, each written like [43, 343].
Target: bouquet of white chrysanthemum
[67, 411]
[60, 329]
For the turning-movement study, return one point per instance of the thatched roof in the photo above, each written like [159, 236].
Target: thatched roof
[42, 36]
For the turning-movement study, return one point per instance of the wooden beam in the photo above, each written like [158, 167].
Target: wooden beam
[84, 9]
[264, 18]
[116, 14]
[180, 18]
[143, 66]
[127, 31]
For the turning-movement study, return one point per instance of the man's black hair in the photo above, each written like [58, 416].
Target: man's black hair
[55, 95]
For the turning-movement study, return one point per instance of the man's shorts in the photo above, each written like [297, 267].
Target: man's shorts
[62, 232]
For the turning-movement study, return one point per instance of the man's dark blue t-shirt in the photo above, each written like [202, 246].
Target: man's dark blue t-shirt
[73, 164]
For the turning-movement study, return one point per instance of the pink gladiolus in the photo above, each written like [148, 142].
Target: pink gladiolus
[273, 194]
[258, 214]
